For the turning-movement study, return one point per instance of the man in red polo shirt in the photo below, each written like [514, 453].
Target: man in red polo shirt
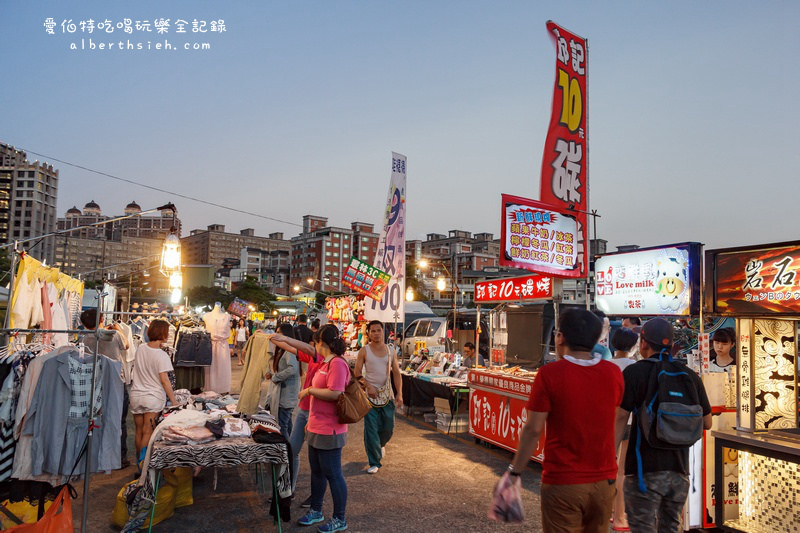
[577, 396]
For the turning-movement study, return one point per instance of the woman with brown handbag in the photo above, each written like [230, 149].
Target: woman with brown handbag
[326, 436]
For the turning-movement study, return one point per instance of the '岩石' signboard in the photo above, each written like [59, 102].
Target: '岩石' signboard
[365, 279]
[537, 237]
[754, 280]
[653, 281]
[531, 287]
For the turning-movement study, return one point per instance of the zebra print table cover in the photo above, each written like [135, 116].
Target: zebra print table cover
[230, 451]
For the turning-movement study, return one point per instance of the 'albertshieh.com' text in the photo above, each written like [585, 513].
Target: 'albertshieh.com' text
[90, 44]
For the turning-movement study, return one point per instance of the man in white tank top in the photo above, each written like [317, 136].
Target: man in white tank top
[378, 364]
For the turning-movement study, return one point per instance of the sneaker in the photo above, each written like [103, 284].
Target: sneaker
[383, 452]
[373, 470]
[312, 517]
[306, 503]
[333, 525]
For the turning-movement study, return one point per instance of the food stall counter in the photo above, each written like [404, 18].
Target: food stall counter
[498, 407]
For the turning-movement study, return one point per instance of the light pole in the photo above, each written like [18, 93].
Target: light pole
[440, 285]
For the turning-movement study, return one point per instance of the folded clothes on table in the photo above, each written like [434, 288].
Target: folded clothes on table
[236, 427]
[207, 396]
[223, 401]
[187, 435]
[267, 435]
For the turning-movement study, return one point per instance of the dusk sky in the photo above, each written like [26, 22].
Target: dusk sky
[298, 105]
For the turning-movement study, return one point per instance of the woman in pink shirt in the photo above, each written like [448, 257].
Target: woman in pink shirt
[326, 436]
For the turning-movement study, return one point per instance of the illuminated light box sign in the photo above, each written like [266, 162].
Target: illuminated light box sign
[535, 236]
[239, 307]
[521, 288]
[756, 280]
[662, 281]
[365, 279]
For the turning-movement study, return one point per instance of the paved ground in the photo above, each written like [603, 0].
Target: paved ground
[430, 481]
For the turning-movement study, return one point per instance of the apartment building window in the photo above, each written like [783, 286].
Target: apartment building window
[327, 254]
[336, 235]
[328, 263]
[364, 239]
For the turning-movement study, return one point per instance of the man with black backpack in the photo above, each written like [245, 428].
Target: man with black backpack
[670, 411]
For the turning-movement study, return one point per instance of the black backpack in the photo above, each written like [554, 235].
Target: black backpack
[671, 416]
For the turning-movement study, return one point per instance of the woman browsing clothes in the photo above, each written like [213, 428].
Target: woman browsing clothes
[150, 386]
[326, 436]
[284, 374]
[306, 353]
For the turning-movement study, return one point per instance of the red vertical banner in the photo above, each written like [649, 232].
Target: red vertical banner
[565, 165]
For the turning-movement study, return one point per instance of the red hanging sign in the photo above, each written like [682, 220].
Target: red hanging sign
[565, 165]
[531, 287]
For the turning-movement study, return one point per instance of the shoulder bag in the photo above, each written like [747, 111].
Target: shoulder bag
[353, 404]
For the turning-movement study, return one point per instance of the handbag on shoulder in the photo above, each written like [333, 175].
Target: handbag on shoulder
[353, 404]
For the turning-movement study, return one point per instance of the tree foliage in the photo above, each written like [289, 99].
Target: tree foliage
[208, 296]
[250, 291]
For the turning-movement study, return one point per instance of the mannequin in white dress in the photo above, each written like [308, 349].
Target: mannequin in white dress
[218, 375]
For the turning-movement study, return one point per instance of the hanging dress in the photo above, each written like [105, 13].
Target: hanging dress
[218, 375]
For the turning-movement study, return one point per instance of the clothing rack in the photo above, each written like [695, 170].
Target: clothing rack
[134, 313]
[96, 333]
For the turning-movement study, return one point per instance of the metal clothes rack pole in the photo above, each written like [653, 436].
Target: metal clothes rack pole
[15, 331]
[14, 264]
[133, 313]
[87, 470]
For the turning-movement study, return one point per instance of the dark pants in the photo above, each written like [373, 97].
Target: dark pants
[378, 429]
[658, 509]
[124, 424]
[326, 468]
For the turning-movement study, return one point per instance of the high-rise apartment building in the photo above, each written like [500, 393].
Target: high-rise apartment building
[28, 195]
[321, 252]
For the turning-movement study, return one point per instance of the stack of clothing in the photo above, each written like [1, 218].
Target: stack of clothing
[187, 435]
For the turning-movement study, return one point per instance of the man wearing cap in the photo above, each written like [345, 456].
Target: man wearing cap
[665, 472]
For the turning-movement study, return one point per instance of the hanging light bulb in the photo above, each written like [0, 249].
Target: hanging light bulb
[409, 294]
[440, 284]
[175, 296]
[171, 254]
[176, 280]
